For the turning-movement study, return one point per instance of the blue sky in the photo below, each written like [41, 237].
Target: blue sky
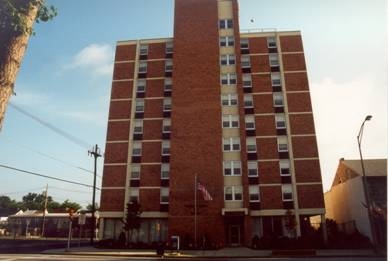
[66, 74]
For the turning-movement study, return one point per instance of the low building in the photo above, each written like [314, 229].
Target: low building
[345, 202]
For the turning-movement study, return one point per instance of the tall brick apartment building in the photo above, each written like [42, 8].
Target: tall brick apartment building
[228, 107]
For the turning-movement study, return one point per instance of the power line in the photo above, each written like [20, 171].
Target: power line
[45, 176]
[64, 134]
[49, 156]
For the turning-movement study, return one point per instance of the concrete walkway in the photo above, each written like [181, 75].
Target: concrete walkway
[225, 252]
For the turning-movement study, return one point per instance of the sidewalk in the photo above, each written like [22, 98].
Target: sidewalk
[240, 252]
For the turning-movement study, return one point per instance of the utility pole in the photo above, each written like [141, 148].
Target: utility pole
[44, 210]
[95, 152]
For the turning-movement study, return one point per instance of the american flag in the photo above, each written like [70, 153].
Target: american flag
[206, 195]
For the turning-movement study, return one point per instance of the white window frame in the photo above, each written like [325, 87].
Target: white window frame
[138, 126]
[166, 104]
[244, 43]
[248, 101]
[135, 171]
[232, 143]
[134, 194]
[230, 121]
[234, 167]
[136, 147]
[139, 105]
[251, 144]
[166, 125]
[168, 66]
[273, 60]
[167, 84]
[252, 165]
[282, 144]
[141, 86]
[227, 59]
[143, 49]
[237, 193]
[286, 191]
[286, 165]
[165, 171]
[271, 42]
[169, 47]
[164, 195]
[280, 121]
[250, 123]
[276, 80]
[228, 78]
[142, 66]
[166, 148]
[254, 190]
[225, 23]
[226, 41]
[230, 99]
[245, 61]
[247, 80]
[278, 99]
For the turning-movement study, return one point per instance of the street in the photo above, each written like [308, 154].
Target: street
[15, 257]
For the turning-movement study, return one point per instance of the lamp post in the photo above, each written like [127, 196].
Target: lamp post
[364, 182]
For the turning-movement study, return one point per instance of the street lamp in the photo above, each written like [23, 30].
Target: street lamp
[364, 181]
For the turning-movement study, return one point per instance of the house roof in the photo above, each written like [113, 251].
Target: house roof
[373, 167]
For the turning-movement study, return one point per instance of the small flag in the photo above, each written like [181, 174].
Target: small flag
[205, 193]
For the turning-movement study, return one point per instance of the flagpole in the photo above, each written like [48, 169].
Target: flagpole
[195, 211]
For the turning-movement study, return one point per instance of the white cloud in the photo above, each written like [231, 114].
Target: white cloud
[339, 110]
[96, 57]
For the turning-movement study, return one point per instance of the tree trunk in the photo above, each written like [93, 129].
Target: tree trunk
[12, 47]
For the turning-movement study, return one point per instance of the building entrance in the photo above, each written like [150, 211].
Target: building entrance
[234, 235]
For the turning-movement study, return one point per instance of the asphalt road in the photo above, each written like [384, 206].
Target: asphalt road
[16, 257]
[9, 246]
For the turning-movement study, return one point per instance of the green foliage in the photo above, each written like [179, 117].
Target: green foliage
[13, 15]
[132, 219]
[89, 207]
[68, 204]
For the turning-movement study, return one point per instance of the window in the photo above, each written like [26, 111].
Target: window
[138, 127]
[232, 168]
[226, 41]
[166, 147]
[167, 84]
[252, 169]
[245, 61]
[233, 193]
[247, 80]
[143, 49]
[248, 101]
[164, 195]
[228, 59]
[251, 144]
[228, 78]
[229, 99]
[282, 144]
[286, 192]
[271, 42]
[134, 194]
[168, 66]
[226, 23]
[254, 194]
[249, 122]
[275, 79]
[244, 43]
[280, 121]
[140, 85]
[166, 126]
[135, 172]
[139, 105]
[142, 67]
[273, 60]
[136, 149]
[230, 121]
[167, 104]
[169, 47]
[165, 171]
[231, 144]
[284, 166]
[278, 99]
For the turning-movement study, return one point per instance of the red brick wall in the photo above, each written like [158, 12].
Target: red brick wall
[153, 108]
[112, 200]
[116, 152]
[310, 196]
[299, 102]
[119, 110]
[293, 62]
[302, 124]
[265, 125]
[155, 88]
[156, 51]
[267, 148]
[263, 103]
[149, 199]
[258, 45]
[125, 52]
[155, 69]
[123, 71]
[151, 152]
[114, 176]
[269, 172]
[291, 43]
[271, 197]
[118, 131]
[261, 83]
[307, 171]
[296, 81]
[150, 175]
[152, 129]
[122, 90]
[304, 147]
[260, 63]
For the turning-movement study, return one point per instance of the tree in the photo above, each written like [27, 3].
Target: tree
[7, 203]
[90, 207]
[290, 223]
[69, 204]
[132, 219]
[16, 20]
